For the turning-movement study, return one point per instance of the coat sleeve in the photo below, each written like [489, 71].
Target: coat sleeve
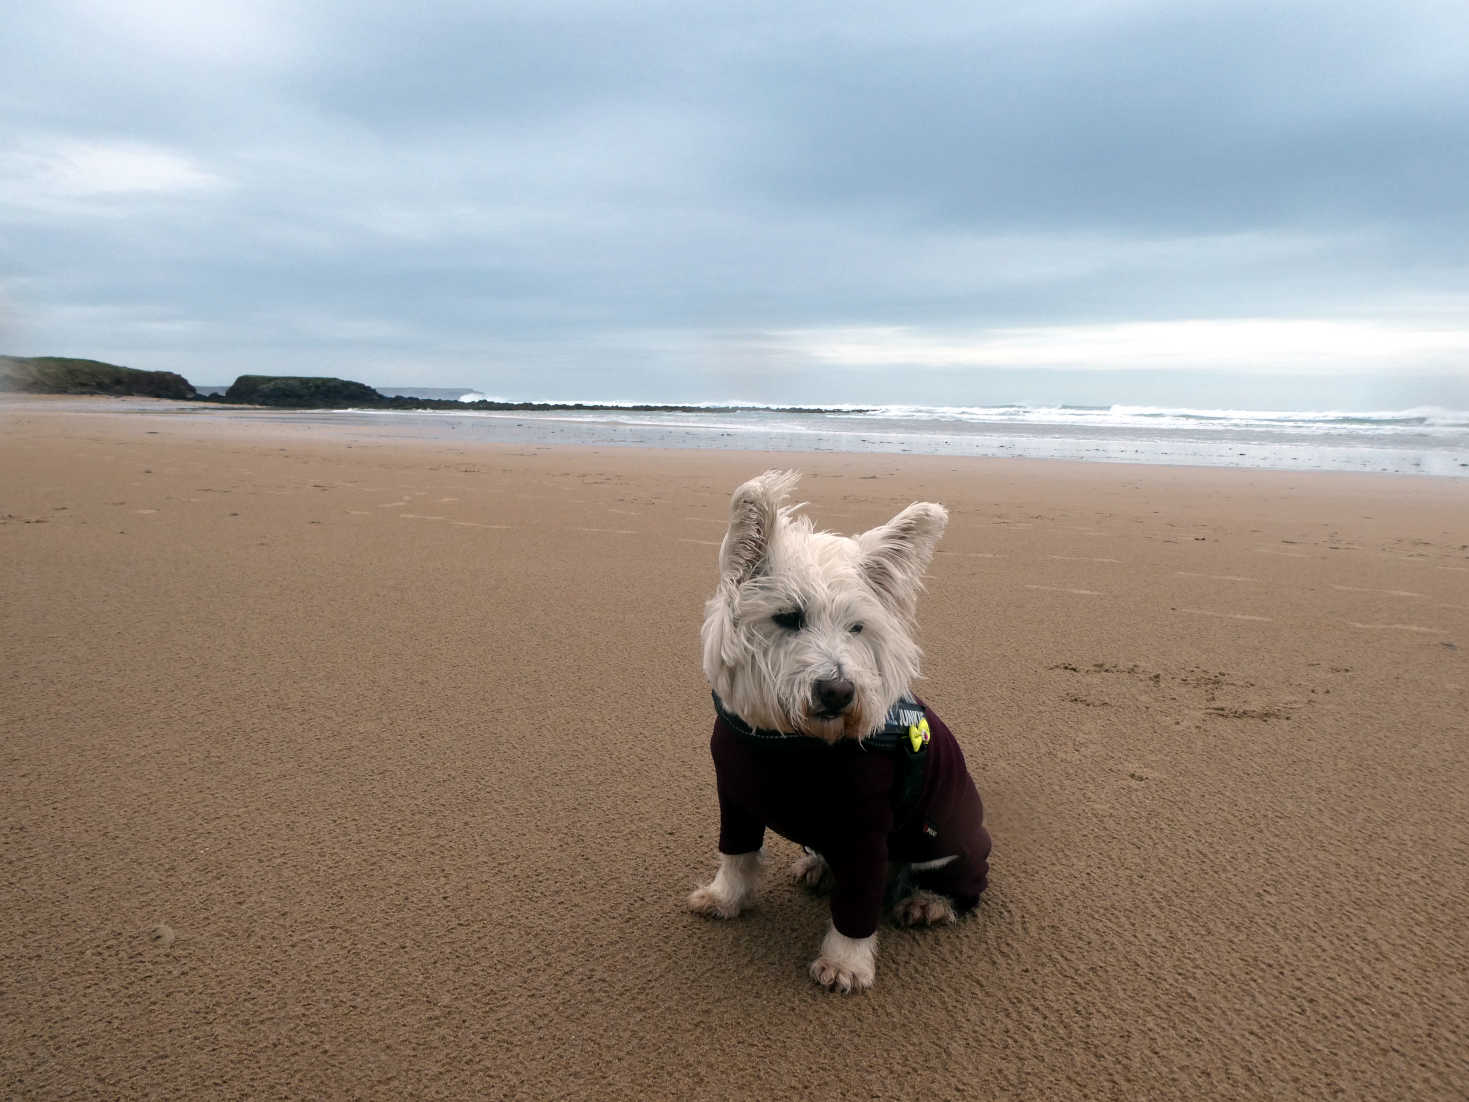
[741, 830]
[858, 855]
[860, 870]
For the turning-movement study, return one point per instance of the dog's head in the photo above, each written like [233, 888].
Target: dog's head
[810, 631]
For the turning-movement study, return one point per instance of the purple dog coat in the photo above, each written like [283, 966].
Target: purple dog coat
[860, 806]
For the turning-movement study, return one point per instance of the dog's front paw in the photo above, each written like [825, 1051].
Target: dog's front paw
[812, 872]
[835, 976]
[924, 908]
[845, 964]
[712, 903]
[732, 888]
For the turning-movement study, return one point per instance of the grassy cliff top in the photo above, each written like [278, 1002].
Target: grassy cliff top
[64, 375]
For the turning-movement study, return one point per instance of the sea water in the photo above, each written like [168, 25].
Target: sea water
[1428, 440]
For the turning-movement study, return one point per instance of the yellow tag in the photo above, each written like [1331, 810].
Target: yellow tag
[918, 735]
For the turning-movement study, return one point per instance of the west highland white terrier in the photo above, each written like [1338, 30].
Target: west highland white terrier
[809, 648]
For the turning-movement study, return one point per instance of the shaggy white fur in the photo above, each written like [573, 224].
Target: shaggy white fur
[845, 963]
[795, 610]
[731, 889]
[856, 597]
[811, 870]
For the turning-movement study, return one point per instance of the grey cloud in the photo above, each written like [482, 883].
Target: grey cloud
[550, 186]
[1172, 121]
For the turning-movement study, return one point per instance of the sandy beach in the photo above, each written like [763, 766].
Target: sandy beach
[341, 765]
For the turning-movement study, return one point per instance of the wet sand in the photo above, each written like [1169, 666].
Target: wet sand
[346, 766]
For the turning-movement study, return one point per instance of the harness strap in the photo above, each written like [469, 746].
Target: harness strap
[904, 725]
[904, 731]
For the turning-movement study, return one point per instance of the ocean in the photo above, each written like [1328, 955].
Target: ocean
[1423, 441]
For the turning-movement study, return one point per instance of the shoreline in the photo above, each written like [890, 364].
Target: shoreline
[513, 429]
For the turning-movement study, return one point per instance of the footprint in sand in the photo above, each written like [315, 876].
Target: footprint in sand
[1064, 589]
[1143, 773]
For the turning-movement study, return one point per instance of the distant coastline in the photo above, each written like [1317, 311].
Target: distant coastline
[70, 375]
[1419, 440]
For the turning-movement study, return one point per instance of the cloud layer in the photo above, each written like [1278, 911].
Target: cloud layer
[668, 201]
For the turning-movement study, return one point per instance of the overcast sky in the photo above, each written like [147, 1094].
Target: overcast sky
[772, 202]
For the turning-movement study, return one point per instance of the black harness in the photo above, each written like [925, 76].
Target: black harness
[904, 733]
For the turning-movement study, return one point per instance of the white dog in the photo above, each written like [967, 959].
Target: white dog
[809, 648]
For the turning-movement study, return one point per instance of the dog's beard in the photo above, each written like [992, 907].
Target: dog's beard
[791, 703]
[857, 722]
[827, 728]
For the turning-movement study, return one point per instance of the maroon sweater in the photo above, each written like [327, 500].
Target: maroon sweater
[840, 800]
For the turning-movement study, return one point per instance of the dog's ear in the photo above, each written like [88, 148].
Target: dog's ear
[753, 512]
[895, 554]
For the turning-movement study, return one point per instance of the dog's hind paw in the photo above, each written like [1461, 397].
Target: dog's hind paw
[846, 964]
[924, 908]
[811, 871]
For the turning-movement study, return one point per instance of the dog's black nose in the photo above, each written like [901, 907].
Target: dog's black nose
[833, 695]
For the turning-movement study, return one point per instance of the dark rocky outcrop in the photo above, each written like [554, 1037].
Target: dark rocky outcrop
[300, 392]
[62, 375]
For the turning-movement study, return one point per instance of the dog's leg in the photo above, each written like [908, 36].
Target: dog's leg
[925, 908]
[812, 871]
[732, 888]
[845, 963]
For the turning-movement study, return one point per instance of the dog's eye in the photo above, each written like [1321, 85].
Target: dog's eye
[794, 620]
[855, 629]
